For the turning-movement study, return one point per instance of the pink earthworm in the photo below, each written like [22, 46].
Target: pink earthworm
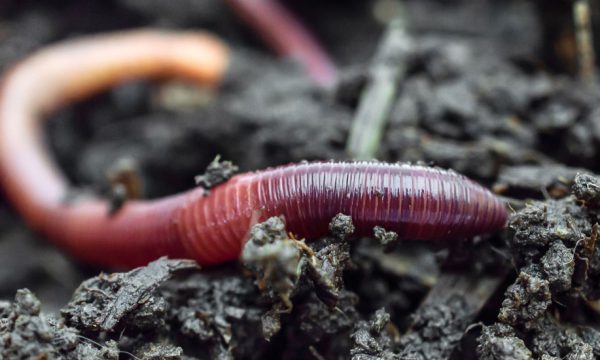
[417, 202]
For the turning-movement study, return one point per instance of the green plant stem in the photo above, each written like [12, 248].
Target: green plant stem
[379, 94]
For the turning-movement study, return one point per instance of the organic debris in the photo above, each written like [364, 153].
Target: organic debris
[375, 339]
[436, 331]
[27, 333]
[216, 172]
[284, 266]
[554, 247]
[387, 239]
[216, 312]
[102, 302]
[341, 226]
[500, 342]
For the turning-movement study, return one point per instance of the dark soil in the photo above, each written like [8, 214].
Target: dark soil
[488, 89]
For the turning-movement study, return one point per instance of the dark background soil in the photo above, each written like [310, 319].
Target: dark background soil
[490, 87]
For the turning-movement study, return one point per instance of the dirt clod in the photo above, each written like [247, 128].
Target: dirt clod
[436, 330]
[217, 313]
[541, 223]
[159, 352]
[499, 342]
[374, 339]
[554, 245]
[285, 267]
[216, 173]
[387, 239]
[100, 303]
[26, 333]
[526, 300]
[341, 226]
[558, 265]
[274, 259]
[586, 188]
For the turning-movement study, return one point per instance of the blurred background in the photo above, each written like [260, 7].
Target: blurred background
[497, 90]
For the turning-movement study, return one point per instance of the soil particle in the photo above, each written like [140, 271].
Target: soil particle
[546, 232]
[216, 312]
[387, 239]
[315, 319]
[499, 342]
[554, 246]
[539, 224]
[326, 271]
[313, 323]
[282, 265]
[558, 264]
[375, 339]
[159, 352]
[341, 226]
[586, 189]
[216, 172]
[559, 341]
[124, 173]
[27, 333]
[285, 267]
[525, 301]
[274, 259]
[592, 337]
[100, 303]
[108, 351]
[437, 329]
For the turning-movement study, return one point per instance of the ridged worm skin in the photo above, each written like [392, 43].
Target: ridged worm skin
[415, 201]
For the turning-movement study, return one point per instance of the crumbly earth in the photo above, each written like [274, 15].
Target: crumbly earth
[487, 89]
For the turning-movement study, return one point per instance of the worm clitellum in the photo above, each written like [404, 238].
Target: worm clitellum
[415, 201]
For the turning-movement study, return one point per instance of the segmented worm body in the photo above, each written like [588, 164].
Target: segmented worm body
[417, 202]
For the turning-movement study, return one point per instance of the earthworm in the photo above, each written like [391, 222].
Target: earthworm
[415, 201]
[287, 36]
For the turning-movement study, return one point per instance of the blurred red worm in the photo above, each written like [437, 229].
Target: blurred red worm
[287, 36]
[415, 201]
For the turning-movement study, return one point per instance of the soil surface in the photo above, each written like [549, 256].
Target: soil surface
[488, 89]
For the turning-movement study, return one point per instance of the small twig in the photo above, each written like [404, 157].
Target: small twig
[379, 94]
[584, 41]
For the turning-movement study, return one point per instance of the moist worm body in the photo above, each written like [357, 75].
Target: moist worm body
[417, 202]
